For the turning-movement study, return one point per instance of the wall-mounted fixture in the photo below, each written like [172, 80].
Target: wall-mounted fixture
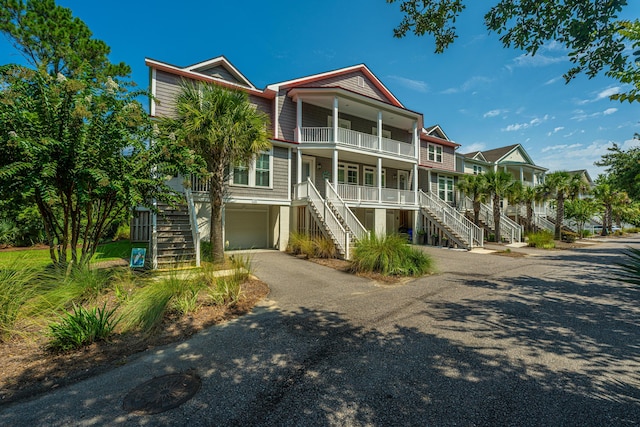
[319, 166]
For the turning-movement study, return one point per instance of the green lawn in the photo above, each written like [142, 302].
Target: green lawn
[40, 257]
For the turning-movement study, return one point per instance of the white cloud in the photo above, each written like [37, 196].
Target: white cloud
[472, 148]
[560, 147]
[609, 111]
[597, 96]
[472, 83]
[581, 115]
[494, 113]
[520, 126]
[552, 81]
[539, 60]
[417, 85]
[555, 130]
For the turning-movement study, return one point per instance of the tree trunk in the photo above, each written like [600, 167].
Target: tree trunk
[559, 217]
[476, 213]
[496, 217]
[529, 217]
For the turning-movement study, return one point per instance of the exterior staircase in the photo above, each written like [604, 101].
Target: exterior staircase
[175, 244]
[336, 220]
[509, 229]
[453, 224]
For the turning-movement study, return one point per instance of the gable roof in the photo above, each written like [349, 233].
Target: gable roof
[220, 61]
[498, 154]
[584, 174]
[335, 73]
[476, 155]
[436, 131]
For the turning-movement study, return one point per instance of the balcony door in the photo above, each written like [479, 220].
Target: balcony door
[403, 180]
[308, 168]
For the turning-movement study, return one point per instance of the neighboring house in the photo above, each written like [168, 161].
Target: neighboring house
[347, 158]
[586, 178]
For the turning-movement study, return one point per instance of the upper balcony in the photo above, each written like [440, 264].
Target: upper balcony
[359, 140]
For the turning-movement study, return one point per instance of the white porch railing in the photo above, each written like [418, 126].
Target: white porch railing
[199, 185]
[552, 213]
[540, 221]
[354, 225]
[508, 227]
[453, 219]
[359, 193]
[356, 139]
[306, 190]
[193, 220]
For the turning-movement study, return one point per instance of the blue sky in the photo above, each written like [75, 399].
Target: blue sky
[482, 95]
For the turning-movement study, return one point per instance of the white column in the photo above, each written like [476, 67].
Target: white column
[379, 179]
[335, 125]
[416, 141]
[429, 181]
[299, 166]
[335, 167]
[521, 175]
[379, 130]
[415, 182]
[299, 120]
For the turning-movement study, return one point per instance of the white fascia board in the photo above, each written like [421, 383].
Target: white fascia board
[226, 64]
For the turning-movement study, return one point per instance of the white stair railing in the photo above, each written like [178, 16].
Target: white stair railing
[193, 220]
[354, 225]
[453, 219]
[540, 221]
[552, 213]
[332, 225]
[508, 227]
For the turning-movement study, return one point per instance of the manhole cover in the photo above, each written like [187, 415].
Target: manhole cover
[162, 393]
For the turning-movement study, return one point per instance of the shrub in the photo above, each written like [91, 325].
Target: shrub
[324, 248]
[82, 327]
[122, 233]
[629, 269]
[17, 285]
[541, 239]
[8, 232]
[632, 230]
[569, 236]
[224, 290]
[586, 233]
[301, 244]
[389, 255]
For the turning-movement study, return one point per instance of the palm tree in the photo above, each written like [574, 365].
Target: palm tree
[581, 211]
[473, 186]
[497, 185]
[225, 129]
[610, 198]
[528, 196]
[562, 185]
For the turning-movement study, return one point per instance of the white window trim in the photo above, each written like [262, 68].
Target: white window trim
[346, 167]
[342, 123]
[252, 173]
[447, 180]
[435, 153]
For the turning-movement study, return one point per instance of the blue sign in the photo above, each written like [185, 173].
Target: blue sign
[137, 257]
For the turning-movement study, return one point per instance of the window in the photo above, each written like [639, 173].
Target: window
[256, 173]
[342, 123]
[435, 153]
[263, 170]
[477, 169]
[385, 132]
[241, 174]
[369, 176]
[445, 188]
[347, 173]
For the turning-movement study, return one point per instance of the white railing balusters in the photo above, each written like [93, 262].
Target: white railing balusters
[355, 226]
[453, 219]
[357, 139]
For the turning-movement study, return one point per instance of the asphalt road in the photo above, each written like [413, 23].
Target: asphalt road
[543, 340]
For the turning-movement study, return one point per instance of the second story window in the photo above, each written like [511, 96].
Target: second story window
[255, 173]
[347, 173]
[477, 169]
[435, 153]
[263, 170]
[241, 174]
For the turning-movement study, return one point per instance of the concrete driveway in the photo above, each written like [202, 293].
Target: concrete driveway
[544, 340]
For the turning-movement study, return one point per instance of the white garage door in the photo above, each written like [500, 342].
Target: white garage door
[246, 229]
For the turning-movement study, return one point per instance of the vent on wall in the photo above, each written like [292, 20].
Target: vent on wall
[360, 81]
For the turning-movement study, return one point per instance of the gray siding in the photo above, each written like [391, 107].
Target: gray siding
[167, 88]
[448, 157]
[220, 72]
[280, 188]
[287, 117]
[350, 82]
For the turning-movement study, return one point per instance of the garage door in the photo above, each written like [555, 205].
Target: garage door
[246, 229]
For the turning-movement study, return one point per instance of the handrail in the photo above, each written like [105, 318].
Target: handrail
[541, 222]
[193, 219]
[510, 226]
[553, 212]
[333, 226]
[353, 223]
[453, 219]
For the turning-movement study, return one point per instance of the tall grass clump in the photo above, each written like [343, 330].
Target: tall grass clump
[148, 305]
[227, 289]
[59, 289]
[81, 327]
[301, 244]
[541, 239]
[389, 255]
[17, 285]
[324, 248]
[629, 269]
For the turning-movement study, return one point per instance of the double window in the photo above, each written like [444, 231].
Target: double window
[445, 188]
[256, 173]
[370, 176]
[347, 173]
[477, 169]
[434, 153]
